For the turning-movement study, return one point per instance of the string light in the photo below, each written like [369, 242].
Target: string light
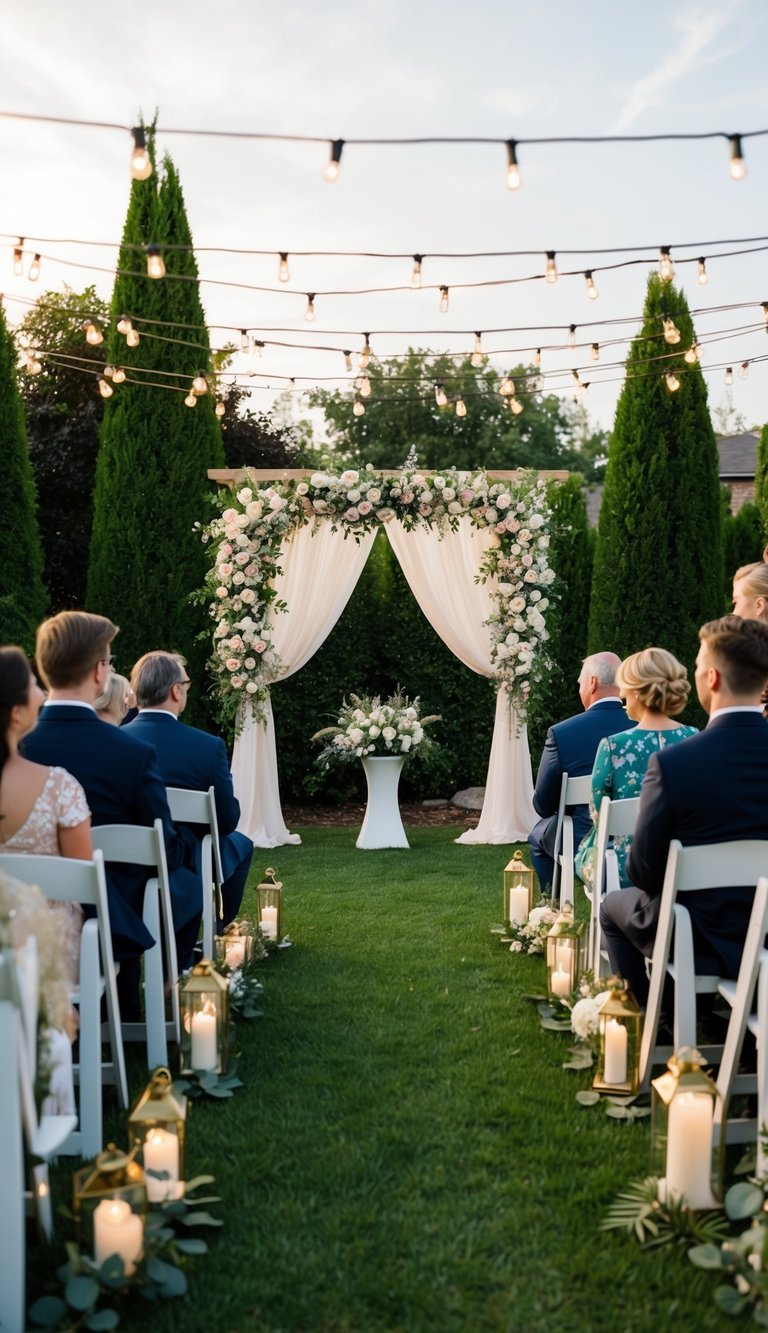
[673, 383]
[191, 399]
[507, 387]
[729, 375]
[537, 358]
[141, 162]
[365, 355]
[461, 407]
[364, 386]
[93, 334]
[444, 297]
[119, 375]
[692, 355]
[34, 367]
[333, 165]
[199, 383]
[737, 168]
[666, 267]
[309, 313]
[592, 291]
[595, 350]
[575, 376]
[155, 262]
[132, 337]
[551, 270]
[416, 270]
[477, 357]
[18, 258]
[219, 409]
[358, 408]
[105, 388]
[124, 325]
[256, 348]
[703, 275]
[245, 341]
[347, 360]
[514, 179]
[441, 397]
[572, 335]
[109, 372]
[283, 272]
[765, 313]
[34, 269]
[671, 332]
[744, 370]
[515, 406]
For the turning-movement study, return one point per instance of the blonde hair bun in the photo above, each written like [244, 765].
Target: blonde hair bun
[659, 680]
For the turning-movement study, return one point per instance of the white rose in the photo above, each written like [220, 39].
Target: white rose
[349, 478]
[245, 495]
[438, 483]
[517, 604]
[248, 596]
[389, 733]
[454, 507]
[276, 503]
[355, 735]
[405, 743]
[251, 688]
[374, 495]
[353, 496]
[503, 501]
[374, 731]
[449, 493]
[536, 521]
[543, 542]
[302, 488]
[254, 509]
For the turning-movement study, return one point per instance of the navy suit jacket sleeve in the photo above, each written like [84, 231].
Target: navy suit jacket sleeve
[227, 804]
[549, 779]
[152, 804]
[647, 861]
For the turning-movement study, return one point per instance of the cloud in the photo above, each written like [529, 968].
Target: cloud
[698, 32]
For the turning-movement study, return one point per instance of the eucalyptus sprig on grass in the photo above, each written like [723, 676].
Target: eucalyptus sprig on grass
[743, 1259]
[639, 1211]
[202, 1083]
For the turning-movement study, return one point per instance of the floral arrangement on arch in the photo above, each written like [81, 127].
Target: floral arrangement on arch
[366, 726]
[246, 539]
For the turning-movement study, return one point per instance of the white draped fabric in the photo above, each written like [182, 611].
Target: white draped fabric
[441, 576]
[320, 569]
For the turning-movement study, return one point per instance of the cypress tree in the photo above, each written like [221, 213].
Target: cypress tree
[761, 476]
[658, 563]
[22, 592]
[146, 558]
[742, 544]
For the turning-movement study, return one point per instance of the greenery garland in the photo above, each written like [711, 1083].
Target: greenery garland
[246, 541]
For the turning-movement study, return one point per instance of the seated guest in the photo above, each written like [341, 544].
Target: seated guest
[710, 789]
[43, 810]
[115, 699]
[570, 748]
[654, 686]
[750, 591]
[121, 782]
[191, 758]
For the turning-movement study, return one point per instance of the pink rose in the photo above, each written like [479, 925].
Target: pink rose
[226, 549]
[364, 508]
[225, 571]
[236, 682]
[250, 571]
[259, 646]
[352, 514]
[425, 509]
[241, 558]
[232, 663]
[222, 592]
[230, 515]
[407, 497]
[467, 495]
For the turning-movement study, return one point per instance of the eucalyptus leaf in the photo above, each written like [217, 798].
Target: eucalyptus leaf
[101, 1320]
[760, 1317]
[554, 1025]
[706, 1256]
[81, 1293]
[585, 1097]
[175, 1283]
[196, 1181]
[201, 1220]
[218, 1091]
[192, 1245]
[618, 1112]
[743, 1200]
[157, 1269]
[47, 1311]
[729, 1300]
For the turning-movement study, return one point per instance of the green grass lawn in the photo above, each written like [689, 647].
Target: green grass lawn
[408, 1153]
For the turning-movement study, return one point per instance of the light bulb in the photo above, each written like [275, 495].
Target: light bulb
[119, 375]
[283, 274]
[744, 370]
[537, 358]
[737, 168]
[444, 297]
[416, 271]
[34, 269]
[551, 271]
[461, 407]
[572, 335]
[671, 332]
[141, 162]
[219, 409]
[155, 262]
[729, 375]
[332, 166]
[592, 291]
[132, 337]
[105, 388]
[673, 383]
[257, 347]
[595, 349]
[309, 313]
[191, 399]
[692, 355]
[476, 358]
[765, 314]
[514, 179]
[441, 397]
[245, 341]
[507, 387]
[34, 366]
[347, 360]
[124, 325]
[358, 408]
[703, 275]
[365, 355]
[93, 334]
[515, 406]
[109, 372]
[18, 258]
[200, 384]
[364, 386]
[666, 267]
[575, 376]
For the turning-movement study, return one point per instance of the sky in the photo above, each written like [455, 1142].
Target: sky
[495, 70]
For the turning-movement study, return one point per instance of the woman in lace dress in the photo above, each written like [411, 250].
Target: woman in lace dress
[43, 811]
[655, 689]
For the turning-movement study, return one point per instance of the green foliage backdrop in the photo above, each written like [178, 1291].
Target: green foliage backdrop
[22, 592]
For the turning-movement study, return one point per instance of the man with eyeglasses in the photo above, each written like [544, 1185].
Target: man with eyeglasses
[191, 758]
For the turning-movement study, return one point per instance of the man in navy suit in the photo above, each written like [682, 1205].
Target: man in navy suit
[191, 758]
[570, 748]
[709, 788]
[119, 774]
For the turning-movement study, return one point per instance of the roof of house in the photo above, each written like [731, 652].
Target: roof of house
[737, 455]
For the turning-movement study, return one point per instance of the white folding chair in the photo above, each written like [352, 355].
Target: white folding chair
[12, 1230]
[690, 870]
[199, 807]
[573, 791]
[63, 879]
[615, 819]
[740, 995]
[758, 1026]
[138, 845]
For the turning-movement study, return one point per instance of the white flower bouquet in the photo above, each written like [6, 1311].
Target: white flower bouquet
[530, 937]
[366, 726]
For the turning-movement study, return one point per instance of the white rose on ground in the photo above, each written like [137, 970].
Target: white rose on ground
[516, 946]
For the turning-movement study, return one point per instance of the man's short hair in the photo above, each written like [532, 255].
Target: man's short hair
[604, 669]
[154, 676]
[69, 645]
[739, 650]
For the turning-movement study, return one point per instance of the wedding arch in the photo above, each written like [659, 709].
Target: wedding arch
[285, 559]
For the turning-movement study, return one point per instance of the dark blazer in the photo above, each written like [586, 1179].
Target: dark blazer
[709, 788]
[570, 748]
[191, 758]
[122, 784]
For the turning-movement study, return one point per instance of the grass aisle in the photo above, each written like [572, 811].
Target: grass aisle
[408, 1153]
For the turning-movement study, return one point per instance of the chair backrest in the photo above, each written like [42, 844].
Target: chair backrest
[716, 865]
[197, 807]
[61, 878]
[137, 844]
[577, 791]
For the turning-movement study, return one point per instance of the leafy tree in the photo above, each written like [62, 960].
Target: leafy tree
[146, 557]
[761, 476]
[63, 414]
[743, 544]
[254, 439]
[726, 418]
[22, 591]
[658, 564]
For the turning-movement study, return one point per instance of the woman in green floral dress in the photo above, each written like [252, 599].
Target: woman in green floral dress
[655, 688]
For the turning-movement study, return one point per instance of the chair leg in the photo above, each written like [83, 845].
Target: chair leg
[90, 1087]
[684, 971]
[12, 1236]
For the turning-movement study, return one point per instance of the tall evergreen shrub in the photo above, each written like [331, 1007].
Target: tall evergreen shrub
[761, 476]
[743, 544]
[22, 592]
[658, 563]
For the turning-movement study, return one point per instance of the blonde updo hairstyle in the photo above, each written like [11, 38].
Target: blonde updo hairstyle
[659, 680]
[754, 581]
[116, 697]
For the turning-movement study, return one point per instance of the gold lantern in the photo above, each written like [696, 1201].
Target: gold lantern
[518, 892]
[269, 894]
[157, 1126]
[619, 1031]
[686, 1155]
[234, 948]
[565, 954]
[204, 1020]
[109, 1200]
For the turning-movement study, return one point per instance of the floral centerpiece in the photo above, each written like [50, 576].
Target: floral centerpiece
[530, 937]
[366, 726]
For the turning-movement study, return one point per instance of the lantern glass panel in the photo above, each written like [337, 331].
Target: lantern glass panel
[518, 892]
[565, 954]
[157, 1126]
[235, 948]
[685, 1154]
[619, 1033]
[204, 1020]
[109, 1201]
[269, 894]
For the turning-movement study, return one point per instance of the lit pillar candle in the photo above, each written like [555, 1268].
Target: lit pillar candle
[689, 1150]
[268, 922]
[615, 1066]
[117, 1230]
[235, 954]
[518, 905]
[161, 1153]
[204, 1054]
[561, 984]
